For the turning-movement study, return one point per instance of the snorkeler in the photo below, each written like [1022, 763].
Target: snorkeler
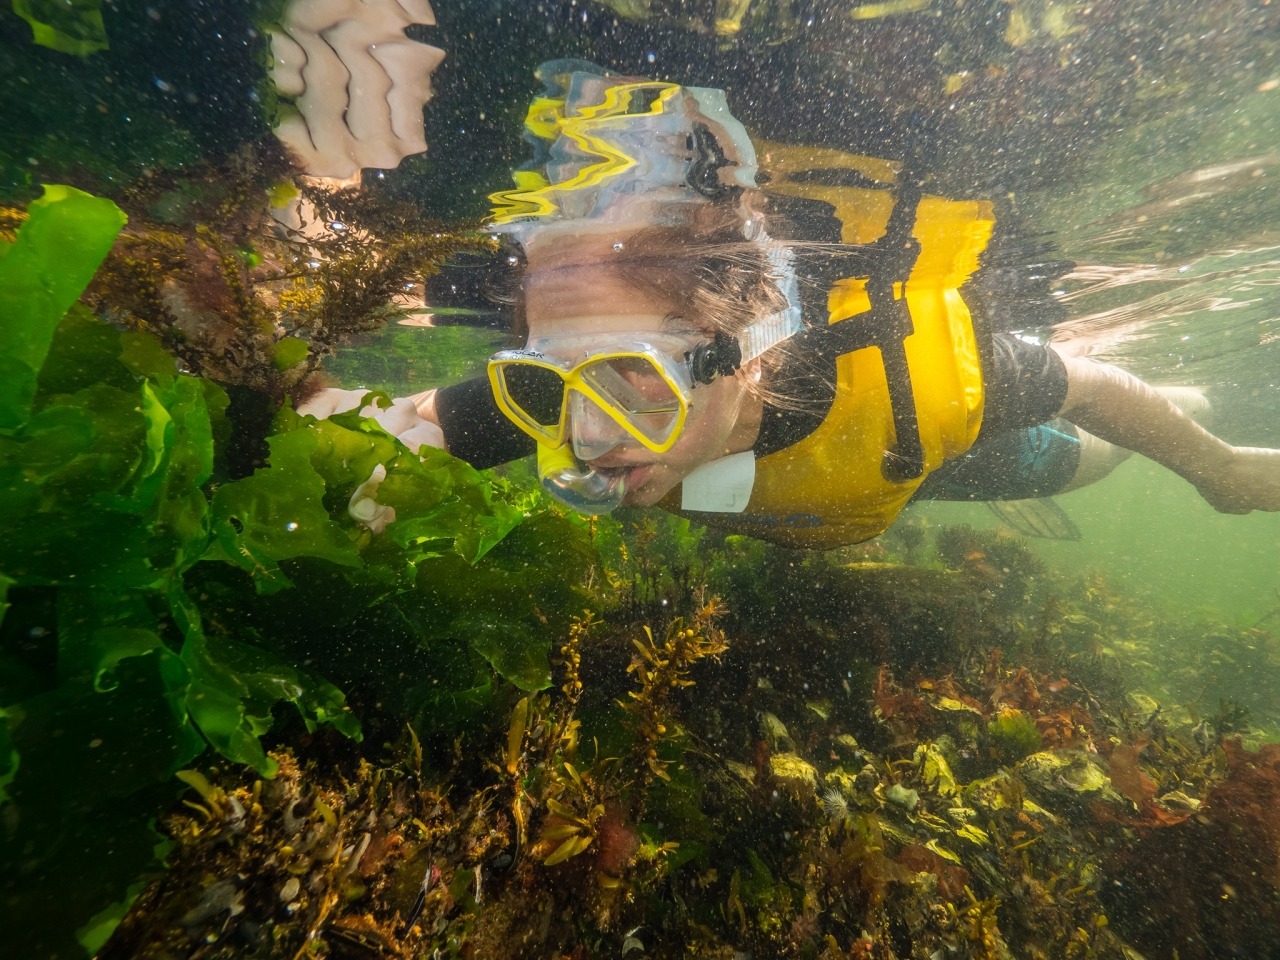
[783, 342]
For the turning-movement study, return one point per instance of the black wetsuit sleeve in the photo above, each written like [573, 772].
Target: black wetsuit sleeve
[475, 429]
[1026, 384]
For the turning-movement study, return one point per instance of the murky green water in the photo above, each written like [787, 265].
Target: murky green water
[800, 800]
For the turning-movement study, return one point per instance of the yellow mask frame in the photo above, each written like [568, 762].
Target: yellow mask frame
[642, 386]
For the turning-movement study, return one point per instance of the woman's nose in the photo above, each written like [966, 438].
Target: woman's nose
[592, 432]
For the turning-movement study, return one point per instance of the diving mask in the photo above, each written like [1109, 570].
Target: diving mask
[585, 399]
[641, 385]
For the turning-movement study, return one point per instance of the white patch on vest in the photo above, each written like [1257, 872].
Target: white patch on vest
[721, 486]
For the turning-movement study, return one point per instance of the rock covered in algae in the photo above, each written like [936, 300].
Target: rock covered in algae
[793, 769]
[845, 745]
[1002, 790]
[903, 797]
[935, 770]
[1068, 775]
[1013, 735]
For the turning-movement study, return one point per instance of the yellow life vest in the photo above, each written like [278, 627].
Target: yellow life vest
[828, 489]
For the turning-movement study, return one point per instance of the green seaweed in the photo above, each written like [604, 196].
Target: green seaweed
[1012, 735]
[136, 576]
[68, 26]
[42, 273]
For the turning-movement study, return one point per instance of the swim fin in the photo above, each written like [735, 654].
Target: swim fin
[1036, 518]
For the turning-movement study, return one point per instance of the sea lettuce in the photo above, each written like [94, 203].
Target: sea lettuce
[279, 513]
[153, 608]
[42, 273]
[68, 26]
[8, 756]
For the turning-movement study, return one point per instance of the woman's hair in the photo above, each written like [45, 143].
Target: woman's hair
[723, 281]
[704, 261]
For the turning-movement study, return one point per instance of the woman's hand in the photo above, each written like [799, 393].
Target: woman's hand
[1249, 479]
[406, 419]
[364, 508]
[1123, 410]
[325, 403]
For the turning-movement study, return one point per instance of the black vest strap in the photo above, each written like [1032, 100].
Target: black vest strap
[886, 325]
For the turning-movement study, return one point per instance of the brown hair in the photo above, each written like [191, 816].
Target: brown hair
[704, 262]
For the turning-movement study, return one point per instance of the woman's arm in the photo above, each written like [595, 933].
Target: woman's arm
[462, 419]
[1121, 409]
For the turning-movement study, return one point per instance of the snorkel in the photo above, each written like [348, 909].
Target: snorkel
[577, 485]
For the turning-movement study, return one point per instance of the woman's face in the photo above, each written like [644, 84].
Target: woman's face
[723, 417]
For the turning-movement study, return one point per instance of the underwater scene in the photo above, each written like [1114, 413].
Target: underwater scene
[572, 479]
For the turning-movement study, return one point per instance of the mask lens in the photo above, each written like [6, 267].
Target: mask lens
[639, 391]
[537, 392]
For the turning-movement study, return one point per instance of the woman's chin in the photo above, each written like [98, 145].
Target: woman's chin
[646, 485]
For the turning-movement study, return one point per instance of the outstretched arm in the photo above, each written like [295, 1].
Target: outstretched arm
[1121, 409]
[462, 419]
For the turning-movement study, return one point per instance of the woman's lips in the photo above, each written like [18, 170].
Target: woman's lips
[633, 474]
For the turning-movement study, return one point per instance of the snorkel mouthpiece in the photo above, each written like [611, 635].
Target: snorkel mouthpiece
[577, 485]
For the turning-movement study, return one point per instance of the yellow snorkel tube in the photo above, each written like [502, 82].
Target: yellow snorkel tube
[577, 485]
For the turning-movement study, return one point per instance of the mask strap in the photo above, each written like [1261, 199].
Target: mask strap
[787, 322]
[724, 355]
